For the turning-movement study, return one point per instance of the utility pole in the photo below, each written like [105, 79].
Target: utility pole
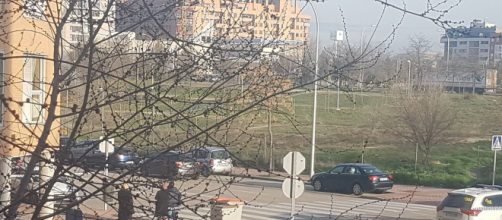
[271, 164]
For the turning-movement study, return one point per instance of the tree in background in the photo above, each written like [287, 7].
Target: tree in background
[419, 54]
[423, 117]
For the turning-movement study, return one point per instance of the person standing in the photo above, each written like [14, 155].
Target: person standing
[167, 199]
[126, 204]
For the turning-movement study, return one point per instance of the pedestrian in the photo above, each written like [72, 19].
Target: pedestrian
[168, 198]
[126, 204]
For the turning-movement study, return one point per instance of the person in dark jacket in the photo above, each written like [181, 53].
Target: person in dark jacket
[167, 198]
[126, 205]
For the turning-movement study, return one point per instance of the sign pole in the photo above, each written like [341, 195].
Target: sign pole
[293, 186]
[496, 146]
[494, 166]
[106, 174]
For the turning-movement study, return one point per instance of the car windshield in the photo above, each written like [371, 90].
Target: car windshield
[221, 154]
[370, 169]
[458, 201]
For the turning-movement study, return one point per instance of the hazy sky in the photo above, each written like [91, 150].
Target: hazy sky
[360, 15]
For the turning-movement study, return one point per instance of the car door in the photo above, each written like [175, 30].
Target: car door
[348, 177]
[353, 176]
[491, 208]
[333, 178]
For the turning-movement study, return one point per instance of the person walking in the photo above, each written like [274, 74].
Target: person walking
[167, 199]
[126, 203]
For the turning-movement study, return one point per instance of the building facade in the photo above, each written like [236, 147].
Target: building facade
[27, 70]
[475, 43]
[269, 23]
[77, 29]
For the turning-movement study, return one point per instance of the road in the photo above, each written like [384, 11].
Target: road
[265, 200]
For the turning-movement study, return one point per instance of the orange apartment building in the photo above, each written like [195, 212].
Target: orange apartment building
[27, 69]
[267, 21]
[270, 23]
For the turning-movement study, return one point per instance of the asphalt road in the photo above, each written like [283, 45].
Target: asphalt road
[265, 200]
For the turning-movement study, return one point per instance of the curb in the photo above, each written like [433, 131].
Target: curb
[264, 178]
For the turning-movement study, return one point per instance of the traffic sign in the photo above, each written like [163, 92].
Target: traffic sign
[496, 142]
[103, 145]
[298, 163]
[286, 188]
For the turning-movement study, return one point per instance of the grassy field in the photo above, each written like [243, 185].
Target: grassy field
[455, 163]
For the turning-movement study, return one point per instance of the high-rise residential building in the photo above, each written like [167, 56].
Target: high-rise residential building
[269, 23]
[474, 43]
[77, 29]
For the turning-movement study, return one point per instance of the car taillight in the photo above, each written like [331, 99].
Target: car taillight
[373, 179]
[211, 162]
[179, 164]
[470, 212]
[391, 177]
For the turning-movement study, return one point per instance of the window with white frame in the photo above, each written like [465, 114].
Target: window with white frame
[33, 89]
[35, 8]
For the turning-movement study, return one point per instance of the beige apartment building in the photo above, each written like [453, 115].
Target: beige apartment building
[272, 21]
[27, 69]
[268, 23]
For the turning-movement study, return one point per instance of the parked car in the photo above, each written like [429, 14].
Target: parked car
[62, 192]
[76, 151]
[354, 178]
[87, 153]
[481, 202]
[213, 160]
[172, 164]
[121, 158]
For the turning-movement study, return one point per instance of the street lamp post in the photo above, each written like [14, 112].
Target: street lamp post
[338, 79]
[447, 51]
[314, 113]
[409, 75]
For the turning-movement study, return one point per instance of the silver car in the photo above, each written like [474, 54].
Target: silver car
[214, 160]
[62, 192]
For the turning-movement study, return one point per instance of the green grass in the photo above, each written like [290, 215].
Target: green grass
[340, 136]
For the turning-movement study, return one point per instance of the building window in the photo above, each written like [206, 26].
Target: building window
[484, 42]
[483, 50]
[473, 43]
[34, 8]
[77, 29]
[33, 89]
[463, 42]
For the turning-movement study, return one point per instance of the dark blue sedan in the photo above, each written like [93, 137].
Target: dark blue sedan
[354, 178]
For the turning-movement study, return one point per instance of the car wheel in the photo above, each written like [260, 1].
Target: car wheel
[318, 185]
[357, 189]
